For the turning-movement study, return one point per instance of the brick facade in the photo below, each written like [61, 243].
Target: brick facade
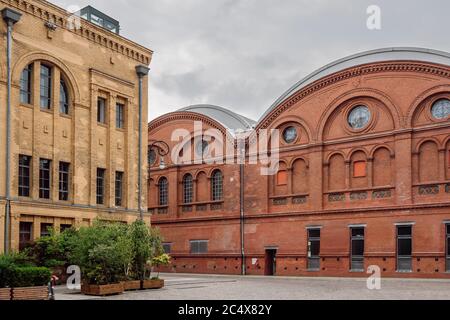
[388, 175]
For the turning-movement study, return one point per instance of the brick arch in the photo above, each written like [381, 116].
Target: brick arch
[415, 108]
[428, 139]
[380, 146]
[428, 156]
[202, 186]
[336, 172]
[359, 93]
[382, 166]
[25, 60]
[299, 175]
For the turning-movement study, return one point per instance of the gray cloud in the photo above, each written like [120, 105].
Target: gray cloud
[243, 54]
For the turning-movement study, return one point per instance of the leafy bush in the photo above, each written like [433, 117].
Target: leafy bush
[29, 277]
[161, 260]
[17, 271]
[103, 252]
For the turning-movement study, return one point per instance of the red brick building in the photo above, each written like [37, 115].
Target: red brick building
[363, 178]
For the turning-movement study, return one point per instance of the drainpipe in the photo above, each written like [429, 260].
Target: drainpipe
[10, 17]
[141, 71]
[242, 220]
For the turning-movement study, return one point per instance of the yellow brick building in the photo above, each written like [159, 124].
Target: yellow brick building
[74, 123]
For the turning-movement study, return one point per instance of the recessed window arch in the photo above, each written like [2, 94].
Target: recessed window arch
[163, 191]
[217, 185]
[188, 188]
[63, 97]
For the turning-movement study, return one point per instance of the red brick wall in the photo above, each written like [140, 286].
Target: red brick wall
[406, 154]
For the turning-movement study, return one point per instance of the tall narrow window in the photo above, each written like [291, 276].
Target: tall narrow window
[199, 246]
[447, 250]
[63, 98]
[120, 116]
[25, 84]
[314, 249]
[46, 229]
[404, 248]
[163, 191]
[46, 87]
[100, 185]
[25, 234]
[188, 189]
[217, 185]
[101, 110]
[119, 188]
[357, 250]
[24, 176]
[44, 178]
[64, 171]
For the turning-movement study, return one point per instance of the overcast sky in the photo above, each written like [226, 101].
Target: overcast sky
[244, 54]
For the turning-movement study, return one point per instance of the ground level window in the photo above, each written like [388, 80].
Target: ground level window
[357, 249]
[404, 248]
[64, 227]
[46, 229]
[25, 234]
[447, 227]
[314, 249]
[167, 247]
[199, 246]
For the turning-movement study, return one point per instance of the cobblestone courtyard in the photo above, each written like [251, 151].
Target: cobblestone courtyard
[214, 287]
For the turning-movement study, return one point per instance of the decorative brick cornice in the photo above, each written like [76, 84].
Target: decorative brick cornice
[49, 12]
[393, 66]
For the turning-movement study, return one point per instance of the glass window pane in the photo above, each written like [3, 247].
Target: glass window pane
[404, 230]
[315, 248]
[404, 247]
[358, 247]
[314, 233]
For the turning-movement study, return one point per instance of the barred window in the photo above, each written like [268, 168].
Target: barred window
[188, 188]
[44, 178]
[24, 176]
[163, 191]
[64, 168]
[25, 84]
[217, 185]
[46, 87]
[63, 98]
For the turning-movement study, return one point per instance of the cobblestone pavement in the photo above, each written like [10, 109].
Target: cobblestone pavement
[215, 287]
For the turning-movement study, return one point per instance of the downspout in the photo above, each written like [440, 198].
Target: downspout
[11, 17]
[141, 71]
[242, 219]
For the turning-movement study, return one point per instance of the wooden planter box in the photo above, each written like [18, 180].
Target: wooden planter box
[31, 293]
[132, 285]
[102, 290]
[153, 284]
[5, 294]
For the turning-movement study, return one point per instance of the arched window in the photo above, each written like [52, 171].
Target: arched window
[25, 84]
[63, 98]
[217, 185]
[163, 191]
[46, 87]
[187, 189]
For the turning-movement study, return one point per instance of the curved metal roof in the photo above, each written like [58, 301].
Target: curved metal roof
[229, 119]
[378, 55]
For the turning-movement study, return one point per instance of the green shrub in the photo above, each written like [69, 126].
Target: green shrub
[7, 265]
[29, 277]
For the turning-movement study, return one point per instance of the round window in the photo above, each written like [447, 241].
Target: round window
[359, 117]
[290, 134]
[441, 109]
[202, 148]
[151, 157]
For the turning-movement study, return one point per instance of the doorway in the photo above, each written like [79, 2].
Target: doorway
[271, 262]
